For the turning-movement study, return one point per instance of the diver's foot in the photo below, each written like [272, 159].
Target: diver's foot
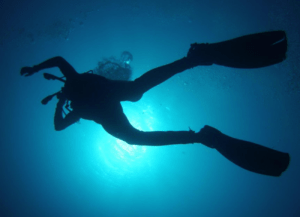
[200, 54]
[210, 136]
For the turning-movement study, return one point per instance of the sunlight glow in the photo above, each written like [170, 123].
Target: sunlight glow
[130, 153]
[133, 151]
[120, 157]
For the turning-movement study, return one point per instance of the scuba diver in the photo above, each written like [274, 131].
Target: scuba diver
[94, 97]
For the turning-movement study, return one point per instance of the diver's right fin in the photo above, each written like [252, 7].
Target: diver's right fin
[251, 51]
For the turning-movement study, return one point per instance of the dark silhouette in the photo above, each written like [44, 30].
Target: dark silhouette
[94, 97]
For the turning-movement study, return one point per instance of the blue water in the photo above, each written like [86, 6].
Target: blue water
[84, 172]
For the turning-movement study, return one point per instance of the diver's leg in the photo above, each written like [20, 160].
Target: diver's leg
[158, 75]
[61, 63]
[116, 123]
[134, 90]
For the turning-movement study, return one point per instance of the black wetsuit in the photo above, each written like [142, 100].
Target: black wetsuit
[97, 98]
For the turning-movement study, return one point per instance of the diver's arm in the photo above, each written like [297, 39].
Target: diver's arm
[58, 61]
[61, 123]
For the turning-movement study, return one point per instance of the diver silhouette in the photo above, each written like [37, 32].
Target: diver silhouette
[94, 97]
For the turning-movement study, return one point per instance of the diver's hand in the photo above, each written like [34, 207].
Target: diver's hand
[27, 71]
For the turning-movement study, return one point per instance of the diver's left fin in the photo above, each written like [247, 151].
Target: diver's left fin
[248, 155]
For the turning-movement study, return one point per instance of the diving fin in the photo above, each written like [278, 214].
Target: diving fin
[249, 51]
[248, 155]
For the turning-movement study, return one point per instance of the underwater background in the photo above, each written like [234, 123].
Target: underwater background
[83, 171]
